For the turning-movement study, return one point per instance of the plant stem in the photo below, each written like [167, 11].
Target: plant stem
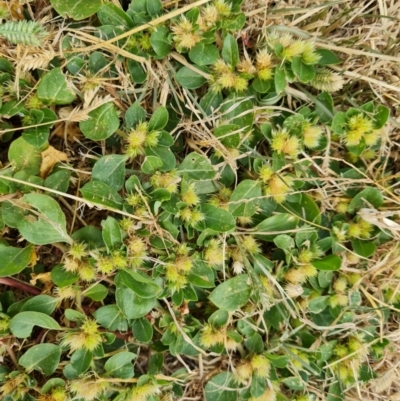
[12, 282]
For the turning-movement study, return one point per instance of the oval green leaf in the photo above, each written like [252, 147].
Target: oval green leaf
[53, 88]
[103, 123]
[42, 357]
[110, 169]
[244, 199]
[120, 365]
[330, 262]
[275, 225]
[189, 79]
[218, 219]
[197, 167]
[22, 324]
[76, 9]
[47, 224]
[232, 293]
[13, 260]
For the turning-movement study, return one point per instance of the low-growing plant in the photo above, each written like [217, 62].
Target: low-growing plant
[164, 208]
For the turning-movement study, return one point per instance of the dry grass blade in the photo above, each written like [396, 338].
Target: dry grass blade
[39, 59]
[79, 114]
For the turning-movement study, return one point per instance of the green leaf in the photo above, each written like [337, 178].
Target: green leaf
[76, 9]
[325, 278]
[261, 86]
[111, 318]
[368, 195]
[112, 235]
[134, 115]
[151, 164]
[22, 324]
[120, 365]
[74, 316]
[306, 209]
[363, 248]
[210, 102]
[330, 262]
[14, 260]
[42, 357]
[144, 287]
[160, 42]
[110, 14]
[280, 80]
[217, 219]
[258, 385]
[142, 330]
[204, 54]
[221, 388]
[318, 304]
[228, 134]
[96, 293]
[324, 107]
[164, 154]
[81, 360]
[55, 382]
[199, 281]
[243, 201]
[294, 383]
[53, 88]
[131, 305]
[165, 139]
[327, 57]
[159, 119]
[136, 72]
[238, 110]
[232, 294]
[219, 318]
[275, 225]
[99, 192]
[303, 71]
[97, 61]
[24, 156]
[154, 7]
[46, 224]
[40, 303]
[90, 235]
[62, 278]
[230, 50]
[381, 116]
[58, 180]
[197, 167]
[254, 343]
[110, 169]
[284, 242]
[280, 361]
[339, 123]
[189, 79]
[335, 393]
[38, 136]
[103, 123]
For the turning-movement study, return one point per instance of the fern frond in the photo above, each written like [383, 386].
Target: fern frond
[23, 32]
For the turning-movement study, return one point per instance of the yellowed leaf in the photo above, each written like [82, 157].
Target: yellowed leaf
[67, 130]
[50, 157]
[33, 258]
[14, 8]
[44, 278]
